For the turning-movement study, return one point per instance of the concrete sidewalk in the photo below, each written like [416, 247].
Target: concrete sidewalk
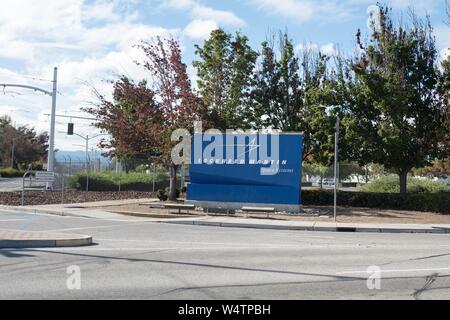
[312, 225]
[90, 210]
[37, 239]
[85, 209]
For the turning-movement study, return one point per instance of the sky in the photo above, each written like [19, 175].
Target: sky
[92, 42]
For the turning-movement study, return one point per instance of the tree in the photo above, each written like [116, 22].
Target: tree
[28, 145]
[291, 93]
[179, 105]
[276, 98]
[142, 116]
[224, 69]
[133, 119]
[397, 112]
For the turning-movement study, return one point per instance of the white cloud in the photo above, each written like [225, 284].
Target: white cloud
[101, 10]
[200, 29]
[442, 33]
[338, 10]
[306, 47]
[88, 42]
[219, 16]
[300, 10]
[329, 48]
[204, 19]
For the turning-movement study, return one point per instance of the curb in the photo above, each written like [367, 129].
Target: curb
[149, 215]
[313, 227]
[35, 211]
[435, 230]
[20, 244]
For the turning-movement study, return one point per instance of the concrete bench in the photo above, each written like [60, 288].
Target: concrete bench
[179, 207]
[267, 210]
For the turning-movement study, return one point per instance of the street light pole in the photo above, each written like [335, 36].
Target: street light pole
[87, 163]
[86, 139]
[51, 147]
[12, 152]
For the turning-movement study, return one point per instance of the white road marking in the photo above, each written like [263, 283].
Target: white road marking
[396, 270]
[128, 223]
[150, 249]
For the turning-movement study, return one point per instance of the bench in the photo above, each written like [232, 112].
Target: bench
[179, 207]
[267, 210]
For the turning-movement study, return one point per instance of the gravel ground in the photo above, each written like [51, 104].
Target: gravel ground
[70, 196]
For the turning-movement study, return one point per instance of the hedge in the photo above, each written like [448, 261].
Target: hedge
[433, 202]
[11, 173]
[391, 184]
[106, 181]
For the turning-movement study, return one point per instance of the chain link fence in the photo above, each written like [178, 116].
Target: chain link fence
[349, 175]
[100, 174]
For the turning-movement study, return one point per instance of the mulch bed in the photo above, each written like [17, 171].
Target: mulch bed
[70, 196]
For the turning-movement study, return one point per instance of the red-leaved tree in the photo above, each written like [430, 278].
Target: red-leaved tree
[142, 116]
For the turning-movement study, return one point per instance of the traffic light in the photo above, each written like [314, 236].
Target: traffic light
[70, 129]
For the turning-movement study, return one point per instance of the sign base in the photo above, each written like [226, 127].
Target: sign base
[288, 208]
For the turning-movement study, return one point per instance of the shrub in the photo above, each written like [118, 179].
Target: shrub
[110, 181]
[11, 173]
[434, 202]
[177, 192]
[162, 195]
[391, 184]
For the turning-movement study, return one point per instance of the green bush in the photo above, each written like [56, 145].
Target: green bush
[110, 181]
[11, 173]
[434, 202]
[177, 192]
[391, 184]
[162, 195]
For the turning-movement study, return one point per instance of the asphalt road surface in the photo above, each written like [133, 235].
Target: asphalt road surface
[10, 184]
[138, 259]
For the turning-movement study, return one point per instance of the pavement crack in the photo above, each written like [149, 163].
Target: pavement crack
[429, 280]
[433, 256]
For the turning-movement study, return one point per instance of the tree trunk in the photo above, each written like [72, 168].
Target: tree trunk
[403, 181]
[173, 182]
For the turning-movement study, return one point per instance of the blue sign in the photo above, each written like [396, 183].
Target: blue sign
[246, 168]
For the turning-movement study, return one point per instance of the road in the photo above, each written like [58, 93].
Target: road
[10, 184]
[137, 259]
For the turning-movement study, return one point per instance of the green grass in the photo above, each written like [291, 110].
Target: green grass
[110, 181]
[391, 184]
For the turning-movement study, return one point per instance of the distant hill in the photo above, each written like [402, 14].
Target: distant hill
[74, 156]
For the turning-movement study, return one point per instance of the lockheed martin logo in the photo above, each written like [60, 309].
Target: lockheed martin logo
[233, 147]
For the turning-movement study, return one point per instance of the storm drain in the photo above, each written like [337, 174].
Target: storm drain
[346, 229]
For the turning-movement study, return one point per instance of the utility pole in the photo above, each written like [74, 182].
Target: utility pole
[86, 157]
[336, 158]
